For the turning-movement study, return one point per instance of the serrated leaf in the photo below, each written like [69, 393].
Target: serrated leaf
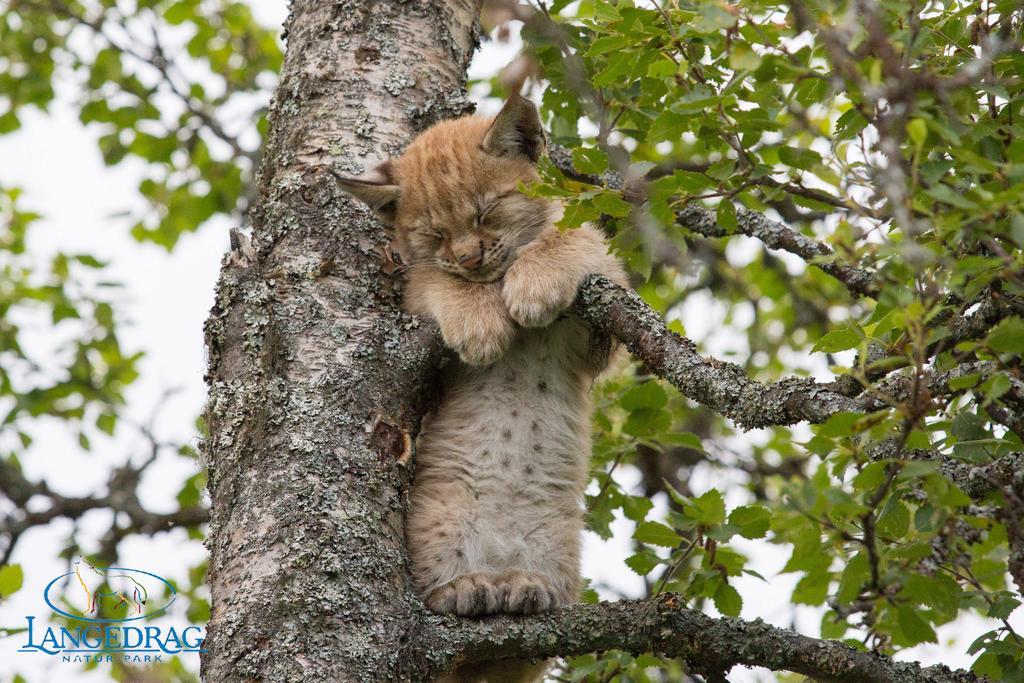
[1003, 606]
[662, 68]
[611, 204]
[647, 395]
[1008, 336]
[656, 533]
[743, 58]
[589, 160]
[799, 157]
[642, 563]
[636, 507]
[849, 124]
[668, 126]
[812, 589]
[647, 422]
[915, 628]
[852, 580]
[895, 518]
[707, 509]
[752, 521]
[713, 17]
[838, 340]
[727, 600]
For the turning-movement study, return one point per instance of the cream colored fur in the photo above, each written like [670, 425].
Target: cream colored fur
[496, 514]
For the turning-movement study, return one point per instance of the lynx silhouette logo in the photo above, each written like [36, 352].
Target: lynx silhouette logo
[126, 593]
[108, 600]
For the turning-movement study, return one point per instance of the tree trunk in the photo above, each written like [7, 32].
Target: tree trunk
[315, 382]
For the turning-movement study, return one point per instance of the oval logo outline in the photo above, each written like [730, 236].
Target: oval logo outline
[58, 610]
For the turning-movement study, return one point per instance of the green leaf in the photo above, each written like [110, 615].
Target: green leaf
[812, 589]
[708, 509]
[713, 17]
[11, 579]
[106, 422]
[662, 68]
[576, 214]
[838, 340]
[727, 600]
[636, 507]
[853, 578]
[965, 382]
[798, 157]
[684, 439]
[647, 395]
[940, 592]
[870, 477]
[751, 520]
[600, 515]
[743, 58]
[611, 203]
[721, 170]
[198, 611]
[647, 422]
[915, 628]
[1008, 336]
[643, 563]
[1003, 606]
[606, 44]
[948, 195]
[589, 160]
[668, 126]
[917, 129]
[840, 424]
[725, 215]
[656, 533]
[895, 518]
[849, 124]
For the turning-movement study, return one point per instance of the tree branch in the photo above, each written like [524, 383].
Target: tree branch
[775, 235]
[121, 498]
[772, 234]
[719, 385]
[663, 625]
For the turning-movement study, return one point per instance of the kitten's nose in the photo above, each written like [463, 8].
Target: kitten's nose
[473, 260]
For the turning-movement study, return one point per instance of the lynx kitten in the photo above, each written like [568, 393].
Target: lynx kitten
[495, 517]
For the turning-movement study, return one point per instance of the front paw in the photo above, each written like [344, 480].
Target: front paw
[534, 296]
[478, 341]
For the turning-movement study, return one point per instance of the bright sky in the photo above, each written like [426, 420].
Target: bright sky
[166, 300]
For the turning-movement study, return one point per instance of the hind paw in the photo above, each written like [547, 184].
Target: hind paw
[526, 592]
[468, 595]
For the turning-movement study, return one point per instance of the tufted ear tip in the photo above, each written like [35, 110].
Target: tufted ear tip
[516, 130]
[377, 188]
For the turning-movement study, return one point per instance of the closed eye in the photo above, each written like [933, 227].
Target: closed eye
[482, 216]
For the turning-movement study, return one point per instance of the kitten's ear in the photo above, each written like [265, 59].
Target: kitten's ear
[376, 188]
[516, 131]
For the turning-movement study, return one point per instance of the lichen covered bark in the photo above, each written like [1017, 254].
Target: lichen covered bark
[316, 380]
[719, 385]
[711, 647]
